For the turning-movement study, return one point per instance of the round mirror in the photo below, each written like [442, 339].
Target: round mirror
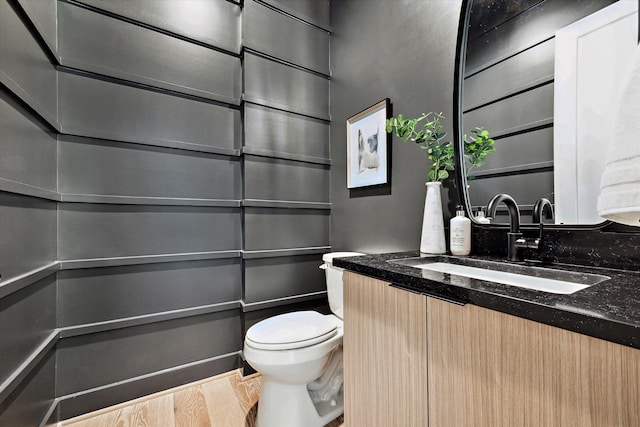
[541, 76]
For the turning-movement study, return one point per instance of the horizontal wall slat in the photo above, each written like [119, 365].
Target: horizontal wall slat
[525, 110]
[94, 42]
[81, 403]
[27, 148]
[145, 319]
[146, 259]
[141, 200]
[99, 359]
[271, 253]
[101, 231]
[29, 403]
[277, 85]
[278, 35]
[102, 109]
[215, 22]
[526, 69]
[28, 230]
[278, 131]
[525, 189]
[270, 228]
[87, 167]
[27, 319]
[271, 278]
[101, 294]
[315, 12]
[43, 15]
[259, 203]
[525, 148]
[276, 179]
[24, 67]
[17, 283]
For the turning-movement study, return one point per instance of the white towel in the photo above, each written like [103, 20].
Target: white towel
[619, 198]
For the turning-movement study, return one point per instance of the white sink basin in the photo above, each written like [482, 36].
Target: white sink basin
[536, 278]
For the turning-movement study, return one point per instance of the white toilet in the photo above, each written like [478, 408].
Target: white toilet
[299, 355]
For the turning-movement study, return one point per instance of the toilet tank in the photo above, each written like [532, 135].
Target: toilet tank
[334, 280]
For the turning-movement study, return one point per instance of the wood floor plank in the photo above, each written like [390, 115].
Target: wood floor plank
[222, 405]
[190, 408]
[227, 400]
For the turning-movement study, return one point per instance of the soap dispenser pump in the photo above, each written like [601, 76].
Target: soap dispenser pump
[460, 233]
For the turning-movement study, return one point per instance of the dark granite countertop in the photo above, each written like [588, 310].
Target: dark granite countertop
[609, 310]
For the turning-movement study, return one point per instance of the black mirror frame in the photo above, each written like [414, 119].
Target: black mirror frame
[460, 178]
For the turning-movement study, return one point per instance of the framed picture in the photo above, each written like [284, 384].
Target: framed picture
[367, 155]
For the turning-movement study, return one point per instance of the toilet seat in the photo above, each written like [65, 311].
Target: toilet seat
[291, 331]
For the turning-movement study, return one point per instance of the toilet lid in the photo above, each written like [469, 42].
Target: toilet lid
[292, 330]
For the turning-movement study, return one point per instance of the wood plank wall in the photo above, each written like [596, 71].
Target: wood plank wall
[163, 186]
[508, 89]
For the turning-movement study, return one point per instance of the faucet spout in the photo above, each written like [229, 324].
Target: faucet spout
[514, 234]
[542, 207]
[512, 207]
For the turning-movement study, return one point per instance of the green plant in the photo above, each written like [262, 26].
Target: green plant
[441, 153]
[476, 149]
[429, 137]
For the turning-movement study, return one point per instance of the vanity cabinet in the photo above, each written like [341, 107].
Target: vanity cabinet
[412, 360]
[385, 363]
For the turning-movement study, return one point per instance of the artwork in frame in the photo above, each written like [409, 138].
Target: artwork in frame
[367, 146]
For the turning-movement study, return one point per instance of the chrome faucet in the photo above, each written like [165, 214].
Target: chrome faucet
[514, 222]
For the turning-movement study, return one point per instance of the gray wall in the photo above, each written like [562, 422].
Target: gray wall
[406, 53]
[149, 215]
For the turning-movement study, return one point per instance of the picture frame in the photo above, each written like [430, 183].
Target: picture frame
[367, 146]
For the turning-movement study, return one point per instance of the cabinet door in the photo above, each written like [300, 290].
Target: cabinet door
[384, 355]
[491, 369]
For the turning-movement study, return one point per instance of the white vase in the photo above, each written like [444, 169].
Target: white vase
[432, 240]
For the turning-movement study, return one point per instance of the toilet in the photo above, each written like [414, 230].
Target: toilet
[299, 355]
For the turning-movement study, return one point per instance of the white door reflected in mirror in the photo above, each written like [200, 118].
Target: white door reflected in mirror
[591, 56]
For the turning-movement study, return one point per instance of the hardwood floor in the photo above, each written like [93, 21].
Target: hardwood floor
[224, 400]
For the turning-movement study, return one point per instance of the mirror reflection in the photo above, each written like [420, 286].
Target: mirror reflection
[541, 75]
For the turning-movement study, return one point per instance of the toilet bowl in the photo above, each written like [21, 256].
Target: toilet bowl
[299, 355]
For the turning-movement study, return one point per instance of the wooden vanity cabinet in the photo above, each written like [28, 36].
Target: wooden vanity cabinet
[412, 360]
[385, 363]
[488, 368]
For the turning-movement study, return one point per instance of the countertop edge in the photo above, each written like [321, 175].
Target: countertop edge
[583, 323]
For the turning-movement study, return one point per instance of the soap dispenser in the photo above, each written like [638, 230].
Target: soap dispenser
[481, 217]
[460, 233]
